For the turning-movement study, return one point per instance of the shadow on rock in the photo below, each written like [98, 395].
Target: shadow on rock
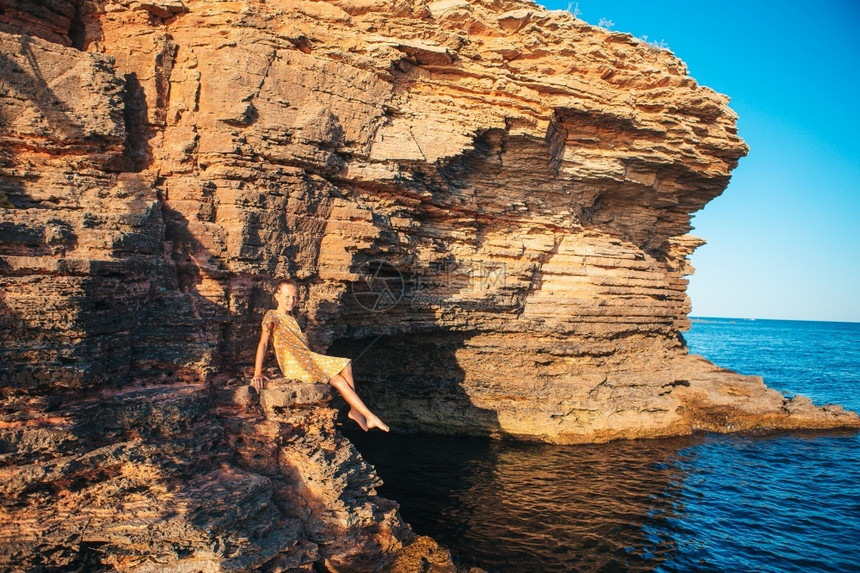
[414, 382]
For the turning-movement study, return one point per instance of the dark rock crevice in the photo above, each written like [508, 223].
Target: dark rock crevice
[77, 27]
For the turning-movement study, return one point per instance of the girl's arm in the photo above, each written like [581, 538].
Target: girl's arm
[259, 378]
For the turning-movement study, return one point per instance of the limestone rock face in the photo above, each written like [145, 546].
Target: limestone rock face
[193, 477]
[486, 205]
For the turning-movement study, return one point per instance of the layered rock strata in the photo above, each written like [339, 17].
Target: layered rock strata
[486, 205]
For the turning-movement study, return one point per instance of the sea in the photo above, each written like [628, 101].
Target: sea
[778, 502]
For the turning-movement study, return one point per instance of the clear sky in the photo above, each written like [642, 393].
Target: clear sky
[784, 238]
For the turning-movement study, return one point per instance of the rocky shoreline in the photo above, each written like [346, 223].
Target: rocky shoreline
[199, 478]
[486, 205]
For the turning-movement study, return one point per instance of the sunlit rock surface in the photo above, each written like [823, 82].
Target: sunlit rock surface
[487, 207]
[194, 477]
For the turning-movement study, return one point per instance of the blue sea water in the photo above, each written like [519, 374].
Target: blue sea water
[724, 503]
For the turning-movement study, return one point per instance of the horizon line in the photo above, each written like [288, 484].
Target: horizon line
[753, 319]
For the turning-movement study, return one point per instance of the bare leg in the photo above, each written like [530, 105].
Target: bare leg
[371, 421]
[353, 413]
[347, 374]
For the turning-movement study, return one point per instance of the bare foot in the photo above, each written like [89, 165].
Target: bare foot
[374, 422]
[358, 418]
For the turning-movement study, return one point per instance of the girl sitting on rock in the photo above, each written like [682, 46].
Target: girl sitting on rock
[298, 362]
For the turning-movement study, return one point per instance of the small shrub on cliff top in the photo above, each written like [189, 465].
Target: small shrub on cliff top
[654, 45]
[606, 23]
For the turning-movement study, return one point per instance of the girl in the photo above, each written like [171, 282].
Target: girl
[298, 362]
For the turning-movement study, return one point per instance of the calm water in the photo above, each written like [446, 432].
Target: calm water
[787, 502]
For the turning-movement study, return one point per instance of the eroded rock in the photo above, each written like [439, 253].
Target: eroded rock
[172, 478]
[522, 181]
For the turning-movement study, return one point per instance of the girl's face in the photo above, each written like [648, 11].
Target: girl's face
[287, 297]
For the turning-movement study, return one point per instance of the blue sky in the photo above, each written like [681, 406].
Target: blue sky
[784, 238]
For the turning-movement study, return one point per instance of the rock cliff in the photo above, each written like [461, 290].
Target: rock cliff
[486, 205]
[193, 478]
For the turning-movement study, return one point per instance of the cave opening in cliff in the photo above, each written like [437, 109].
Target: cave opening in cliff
[416, 382]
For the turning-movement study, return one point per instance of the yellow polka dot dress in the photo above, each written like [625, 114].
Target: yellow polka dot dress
[296, 360]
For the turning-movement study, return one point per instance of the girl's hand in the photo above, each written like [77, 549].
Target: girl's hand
[259, 382]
